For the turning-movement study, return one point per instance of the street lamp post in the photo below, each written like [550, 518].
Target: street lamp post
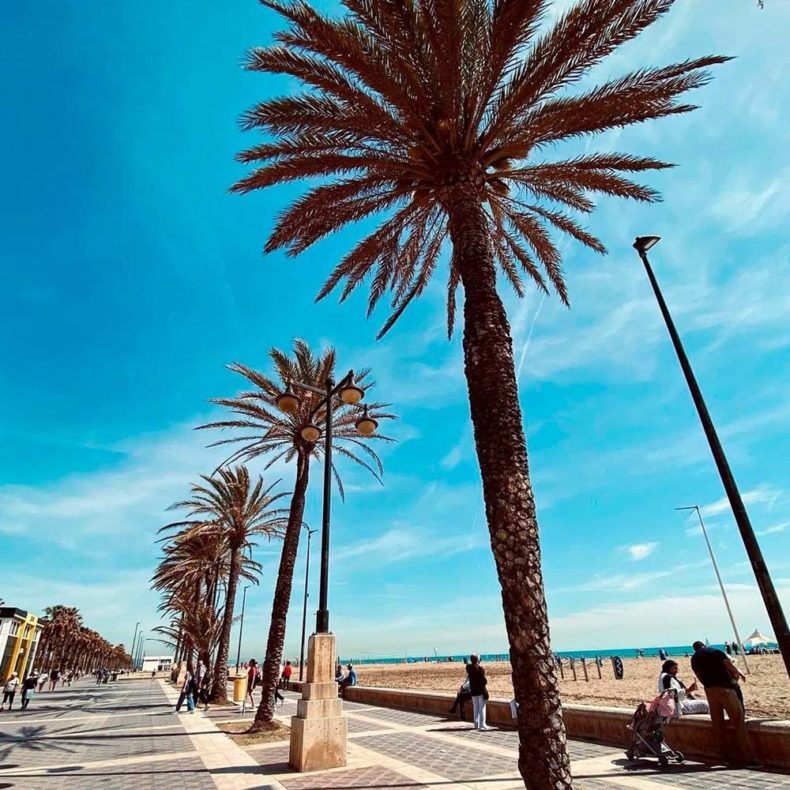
[241, 626]
[134, 639]
[304, 606]
[771, 600]
[289, 402]
[321, 720]
[721, 583]
[138, 656]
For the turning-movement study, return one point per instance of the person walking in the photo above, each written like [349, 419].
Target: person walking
[720, 678]
[252, 677]
[186, 690]
[286, 677]
[42, 681]
[54, 677]
[9, 690]
[477, 688]
[29, 688]
[727, 648]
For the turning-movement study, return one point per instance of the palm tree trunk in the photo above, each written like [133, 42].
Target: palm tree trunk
[219, 686]
[510, 506]
[270, 672]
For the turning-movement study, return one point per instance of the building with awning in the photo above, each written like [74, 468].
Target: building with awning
[19, 635]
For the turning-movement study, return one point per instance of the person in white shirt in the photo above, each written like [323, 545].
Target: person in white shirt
[668, 680]
[9, 690]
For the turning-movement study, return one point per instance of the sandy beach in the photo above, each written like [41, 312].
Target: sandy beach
[766, 690]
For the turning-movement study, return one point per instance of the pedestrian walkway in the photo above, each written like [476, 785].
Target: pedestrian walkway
[124, 736]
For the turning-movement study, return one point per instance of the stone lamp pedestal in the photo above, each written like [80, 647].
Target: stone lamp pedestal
[319, 730]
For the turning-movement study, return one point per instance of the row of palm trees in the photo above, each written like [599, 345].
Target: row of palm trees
[437, 118]
[210, 548]
[66, 643]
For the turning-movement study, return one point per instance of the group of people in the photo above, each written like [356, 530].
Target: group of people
[720, 678]
[194, 687]
[344, 681]
[34, 682]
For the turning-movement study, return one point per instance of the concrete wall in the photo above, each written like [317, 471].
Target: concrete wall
[691, 735]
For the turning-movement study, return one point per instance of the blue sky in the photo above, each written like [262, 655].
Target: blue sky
[131, 278]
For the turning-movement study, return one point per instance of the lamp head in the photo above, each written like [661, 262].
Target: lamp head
[644, 243]
[366, 425]
[289, 401]
[311, 433]
[351, 394]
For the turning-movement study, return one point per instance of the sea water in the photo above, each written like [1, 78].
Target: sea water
[624, 652]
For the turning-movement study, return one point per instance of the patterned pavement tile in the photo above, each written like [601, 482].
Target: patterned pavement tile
[459, 763]
[358, 778]
[405, 717]
[182, 774]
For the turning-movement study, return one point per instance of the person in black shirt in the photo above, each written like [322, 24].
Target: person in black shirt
[477, 688]
[720, 678]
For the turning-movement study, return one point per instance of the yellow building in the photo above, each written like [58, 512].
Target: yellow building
[19, 633]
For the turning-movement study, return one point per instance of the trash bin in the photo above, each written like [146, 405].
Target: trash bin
[239, 688]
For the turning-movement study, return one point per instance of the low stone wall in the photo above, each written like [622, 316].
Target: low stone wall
[691, 735]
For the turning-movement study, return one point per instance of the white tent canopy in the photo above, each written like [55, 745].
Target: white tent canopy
[757, 638]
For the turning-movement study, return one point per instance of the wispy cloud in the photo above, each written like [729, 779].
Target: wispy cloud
[775, 529]
[639, 551]
[764, 494]
[406, 543]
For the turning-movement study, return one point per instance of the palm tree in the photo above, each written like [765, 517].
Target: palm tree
[267, 431]
[438, 114]
[231, 510]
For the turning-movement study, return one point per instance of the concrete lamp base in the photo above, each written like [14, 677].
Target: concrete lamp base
[319, 731]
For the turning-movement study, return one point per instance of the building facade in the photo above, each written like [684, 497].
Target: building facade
[19, 635]
[157, 663]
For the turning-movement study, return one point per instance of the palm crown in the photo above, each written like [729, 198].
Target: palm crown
[232, 508]
[275, 433]
[410, 97]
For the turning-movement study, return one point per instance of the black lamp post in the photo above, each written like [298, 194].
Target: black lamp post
[350, 394]
[241, 626]
[770, 598]
[304, 605]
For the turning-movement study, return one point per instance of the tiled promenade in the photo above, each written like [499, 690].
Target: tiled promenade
[124, 736]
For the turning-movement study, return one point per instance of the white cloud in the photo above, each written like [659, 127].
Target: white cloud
[746, 204]
[639, 551]
[402, 543]
[764, 494]
[776, 528]
[665, 617]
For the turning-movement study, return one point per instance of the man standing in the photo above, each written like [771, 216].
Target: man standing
[28, 688]
[720, 678]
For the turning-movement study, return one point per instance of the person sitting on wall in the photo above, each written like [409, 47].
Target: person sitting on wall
[349, 680]
[668, 680]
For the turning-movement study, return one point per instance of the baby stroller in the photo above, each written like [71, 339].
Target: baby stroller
[648, 725]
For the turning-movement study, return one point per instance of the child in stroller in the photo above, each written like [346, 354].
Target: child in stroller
[647, 726]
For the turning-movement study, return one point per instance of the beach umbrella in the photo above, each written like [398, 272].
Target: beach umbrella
[758, 638]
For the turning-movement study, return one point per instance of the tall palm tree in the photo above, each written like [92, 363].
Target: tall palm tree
[267, 431]
[439, 113]
[230, 509]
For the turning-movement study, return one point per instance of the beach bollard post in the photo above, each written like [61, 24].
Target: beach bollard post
[573, 667]
[559, 663]
[584, 669]
[598, 663]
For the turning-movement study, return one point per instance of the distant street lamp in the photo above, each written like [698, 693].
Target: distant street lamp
[304, 606]
[134, 639]
[771, 600]
[350, 394]
[721, 583]
[241, 625]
